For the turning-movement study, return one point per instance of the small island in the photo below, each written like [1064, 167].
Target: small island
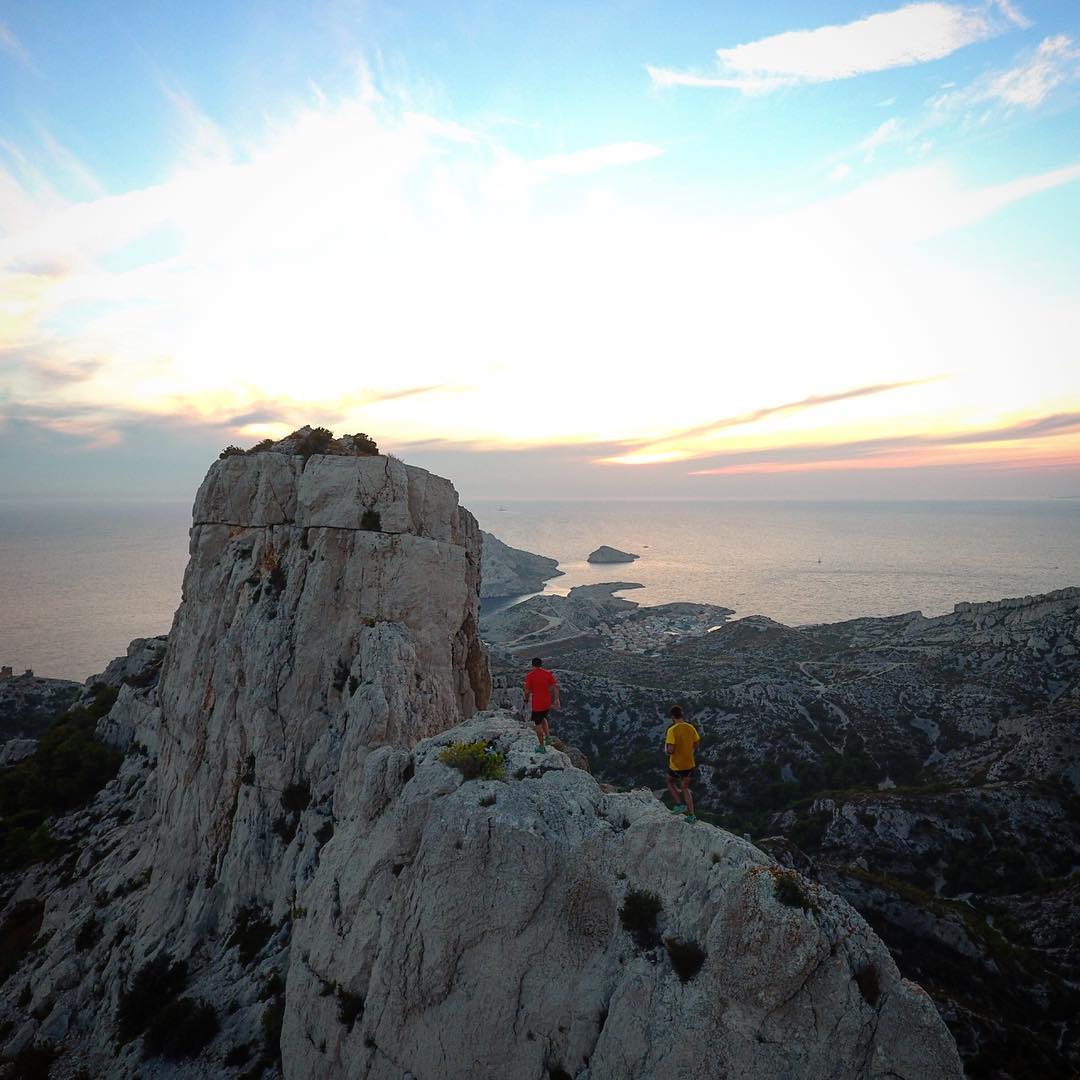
[605, 554]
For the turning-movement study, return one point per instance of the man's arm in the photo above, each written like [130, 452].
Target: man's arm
[555, 702]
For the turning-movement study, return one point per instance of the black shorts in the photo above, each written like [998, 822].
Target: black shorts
[540, 717]
[681, 774]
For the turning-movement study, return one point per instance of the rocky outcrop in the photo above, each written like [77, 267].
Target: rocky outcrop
[493, 906]
[509, 571]
[28, 702]
[605, 554]
[284, 877]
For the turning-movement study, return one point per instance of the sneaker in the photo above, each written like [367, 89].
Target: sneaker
[690, 817]
[680, 809]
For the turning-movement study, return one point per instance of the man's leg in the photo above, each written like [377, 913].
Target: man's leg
[676, 798]
[688, 798]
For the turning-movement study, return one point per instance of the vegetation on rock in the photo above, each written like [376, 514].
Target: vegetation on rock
[69, 767]
[475, 760]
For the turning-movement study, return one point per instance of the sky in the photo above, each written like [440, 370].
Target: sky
[563, 249]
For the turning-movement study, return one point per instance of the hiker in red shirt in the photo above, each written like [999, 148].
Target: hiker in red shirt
[542, 687]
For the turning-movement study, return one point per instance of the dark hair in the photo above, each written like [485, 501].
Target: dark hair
[537, 662]
[675, 713]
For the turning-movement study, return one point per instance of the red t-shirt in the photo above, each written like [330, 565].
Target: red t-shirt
[539, 682]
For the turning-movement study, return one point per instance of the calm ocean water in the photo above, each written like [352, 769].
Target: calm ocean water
[79, 581]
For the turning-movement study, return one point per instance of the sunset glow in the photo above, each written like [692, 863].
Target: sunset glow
[709, 272]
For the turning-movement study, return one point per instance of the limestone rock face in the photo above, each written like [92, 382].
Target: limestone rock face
[283, 842]
[605, 554]
[509, 571]
[329, 607]
[477, 924]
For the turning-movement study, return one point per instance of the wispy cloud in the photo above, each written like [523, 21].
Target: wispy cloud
[913, 34]
[680, 444]
[594, 159]
[11, 45]
[1025, 85]
[894, 450]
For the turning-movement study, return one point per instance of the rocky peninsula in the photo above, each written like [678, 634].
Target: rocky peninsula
[287, 875]
[509, 571]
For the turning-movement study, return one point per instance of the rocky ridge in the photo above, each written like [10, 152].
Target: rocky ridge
[509, 571]
[284, 877]
[925, 768]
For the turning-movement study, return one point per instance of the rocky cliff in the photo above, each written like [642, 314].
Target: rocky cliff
[284, 877]
[924, 768]
[510, 571]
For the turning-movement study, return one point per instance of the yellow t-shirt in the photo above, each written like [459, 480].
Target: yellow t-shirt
[684, 738]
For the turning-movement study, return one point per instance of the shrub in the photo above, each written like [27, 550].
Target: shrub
[364, 444]
[261, 447]
[230, 451]
[371, 520]
[638, 916]
[69, 767]
[252, 931]
[17, 934]
[868, 979]
[33, 1062]
[285, 827]
[788, 889]
[296, 797]
[350, 1007]
[181, 1029]
[315, 442]
[686, 957]
[273, 1016]
[487, 800]
[88, 935]
[155, 985]
[475, 761]
[238, 1055]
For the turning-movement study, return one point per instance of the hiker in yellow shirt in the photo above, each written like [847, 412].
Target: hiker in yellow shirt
[679, 746]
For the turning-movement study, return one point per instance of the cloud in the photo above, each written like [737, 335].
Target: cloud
[884, 133]
[913, 34]
[1025, 85]
[586, 162]
[11, 45]
[840, 171]
[653, 450]
[896, 450]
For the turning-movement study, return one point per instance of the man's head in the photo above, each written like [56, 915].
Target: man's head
[537, 662]
[675, 713]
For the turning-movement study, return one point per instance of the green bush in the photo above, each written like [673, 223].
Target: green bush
[156, 984]
[251, 932]
[868, 980]
[88, 935]
[181, 1030]
[17, 934]
[296, 797]
[687, 957]
[638, 916]
[315, 442]
[371, 520]
[33, 1062]
[273, 1016]
[230, 451]
[475, 761]
[365, 444]
[350, 1007]
[788, 889]
[69, 767]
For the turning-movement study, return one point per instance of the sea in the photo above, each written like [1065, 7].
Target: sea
[79, 580]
